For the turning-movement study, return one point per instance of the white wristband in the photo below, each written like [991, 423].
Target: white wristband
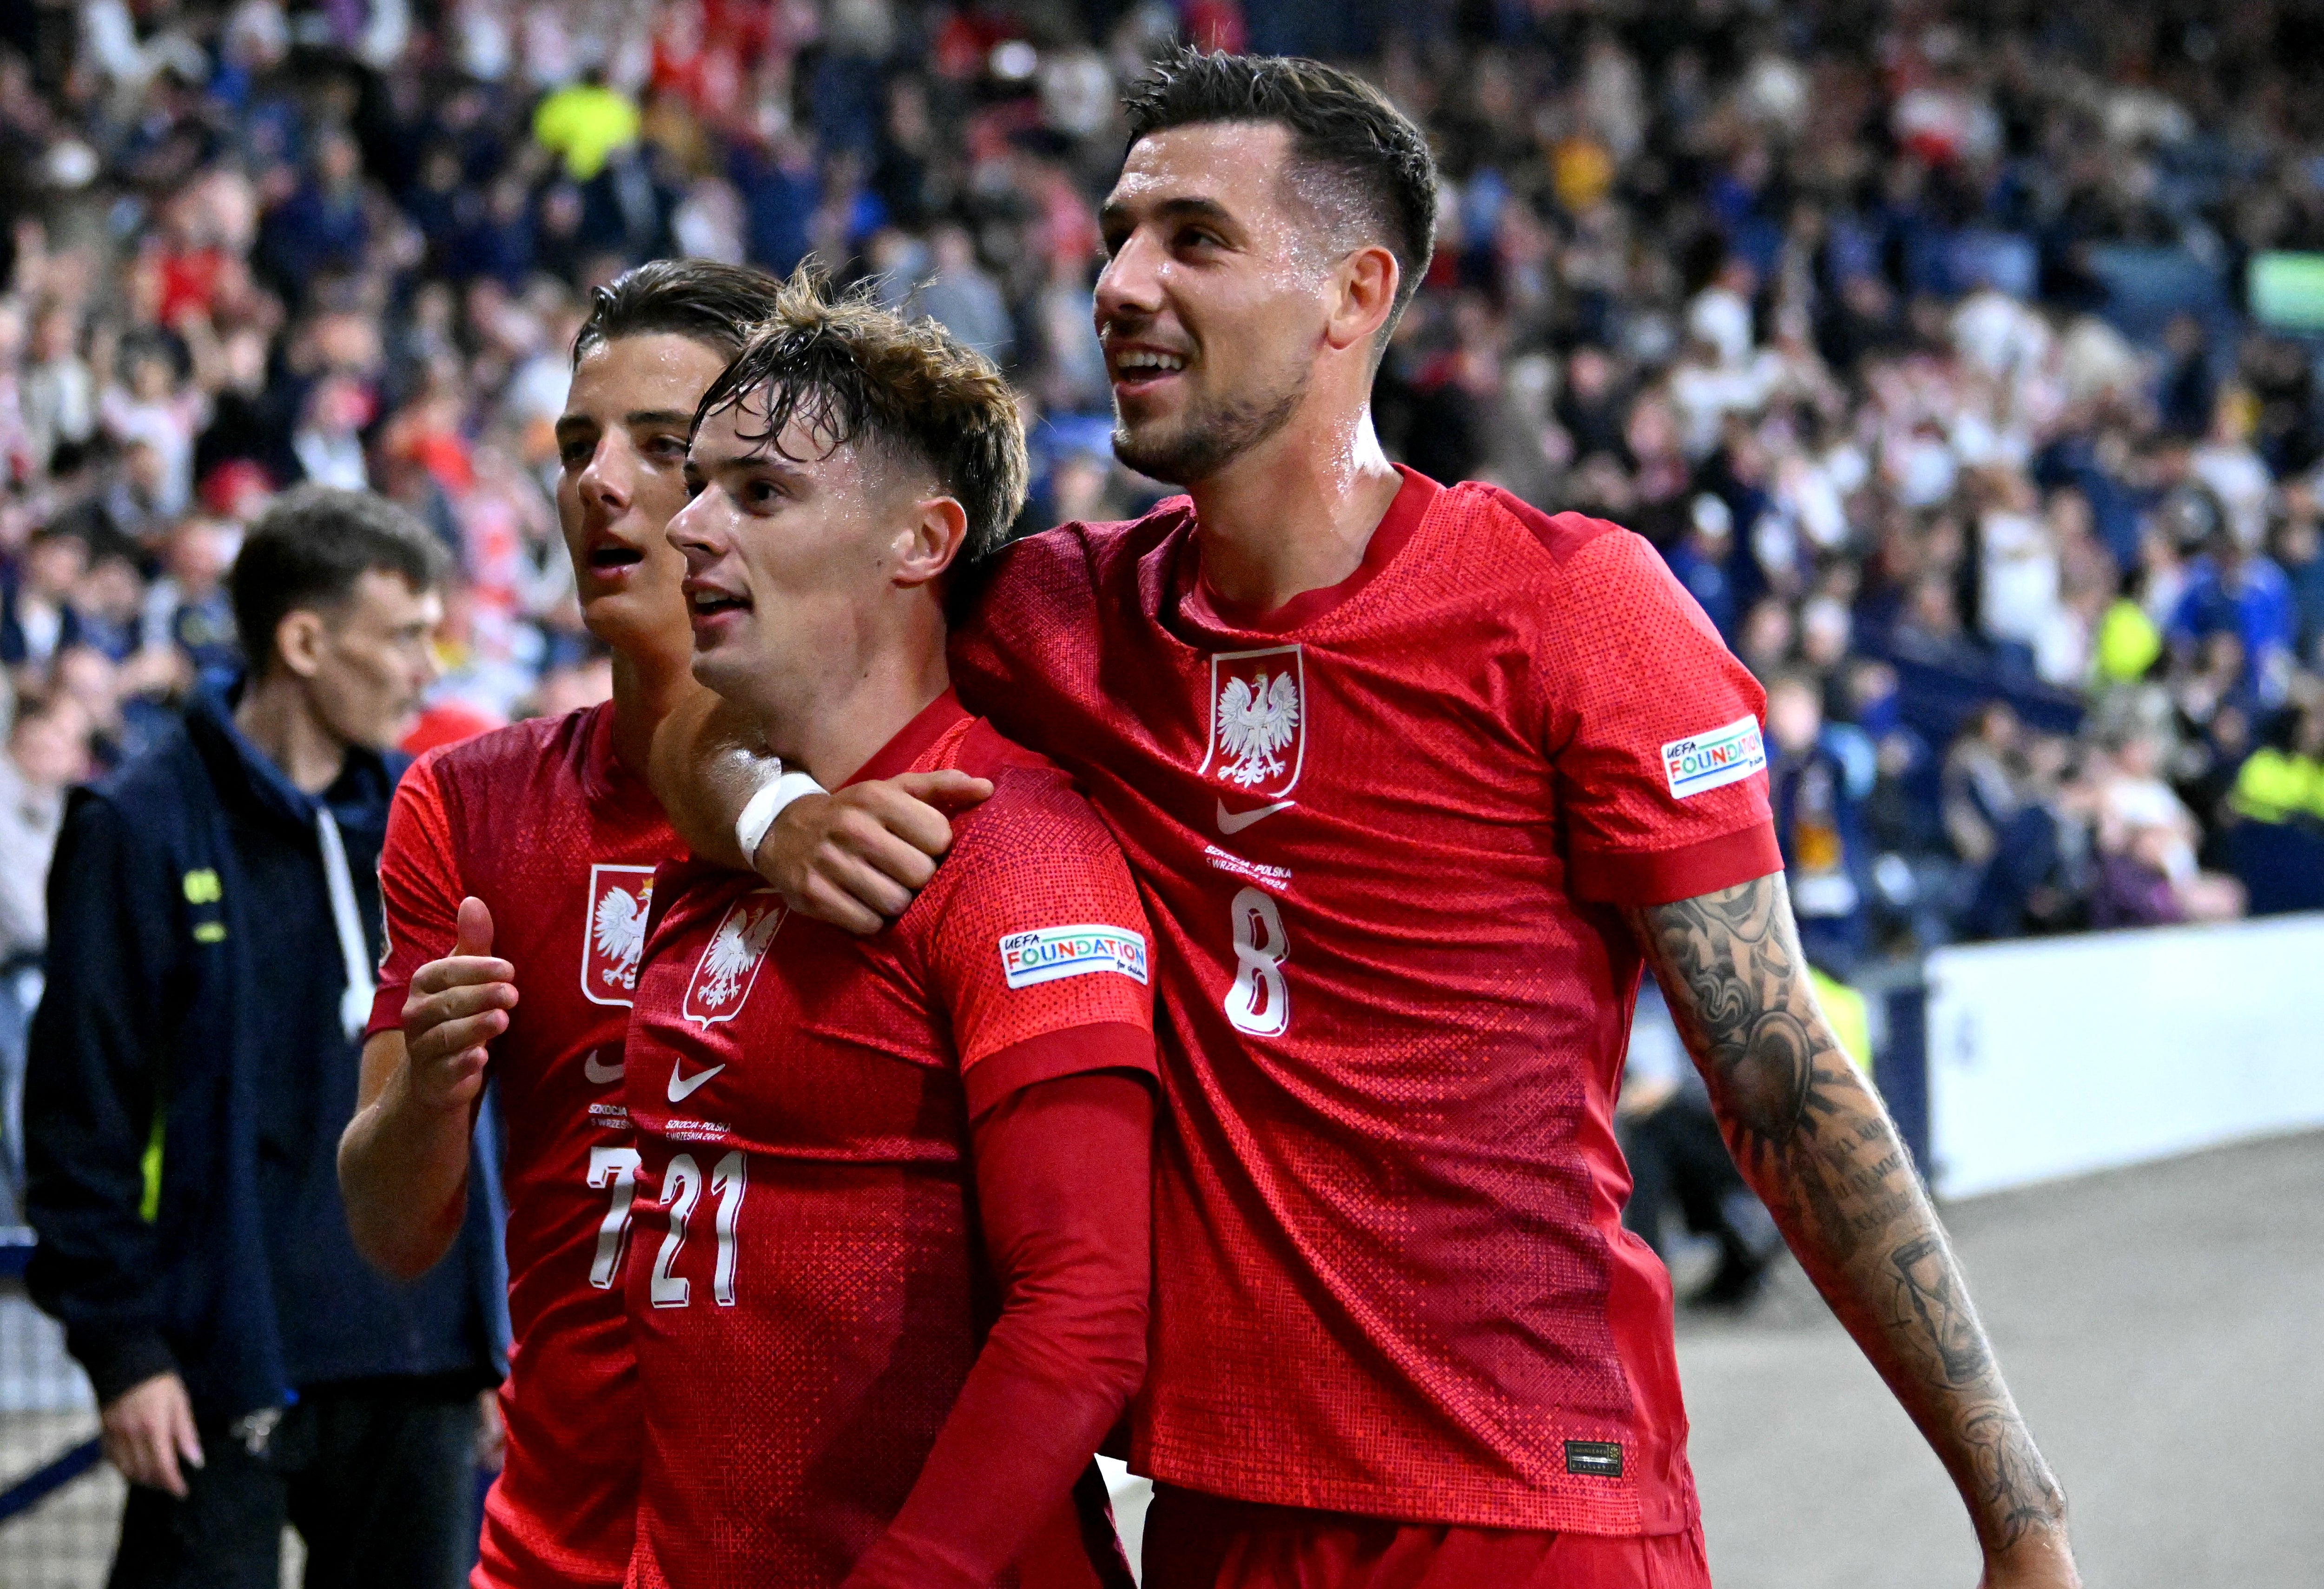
[759, 813]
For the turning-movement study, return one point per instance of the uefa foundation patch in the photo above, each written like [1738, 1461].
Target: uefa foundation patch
[1714, 760]
[1051, 953]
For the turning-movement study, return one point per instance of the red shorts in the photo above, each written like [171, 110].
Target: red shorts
[1198, 1541]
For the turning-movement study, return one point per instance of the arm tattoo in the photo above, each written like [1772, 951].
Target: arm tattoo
[1813, 1142]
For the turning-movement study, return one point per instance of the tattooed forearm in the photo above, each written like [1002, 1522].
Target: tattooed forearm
[1815, 1142]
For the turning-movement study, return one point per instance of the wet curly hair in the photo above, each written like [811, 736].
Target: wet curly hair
[852, 373]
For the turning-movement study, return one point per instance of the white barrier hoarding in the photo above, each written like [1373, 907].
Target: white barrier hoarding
[2058, 1056]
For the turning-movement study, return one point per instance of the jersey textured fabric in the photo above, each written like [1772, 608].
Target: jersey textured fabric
[1063, 1193]
[541, 822]
[808, 1288]
[1197, 1541]
[1384, 833]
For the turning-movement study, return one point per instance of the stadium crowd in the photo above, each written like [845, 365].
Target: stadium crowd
[1917, 343]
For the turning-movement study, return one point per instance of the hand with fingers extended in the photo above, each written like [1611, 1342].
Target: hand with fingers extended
[858, 858]
[148, 1430]
[457, 1005]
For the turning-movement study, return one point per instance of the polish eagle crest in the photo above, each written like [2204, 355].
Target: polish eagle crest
[734, 954]
[613, 931]
[1257, 720]
[618, 931]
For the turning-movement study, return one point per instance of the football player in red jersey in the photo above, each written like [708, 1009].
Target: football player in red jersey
[519, 863]
[893, 1217]
[1415, 780]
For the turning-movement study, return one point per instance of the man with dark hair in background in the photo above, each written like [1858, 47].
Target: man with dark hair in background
[213, 920]
[1415, 781]
[518, 873]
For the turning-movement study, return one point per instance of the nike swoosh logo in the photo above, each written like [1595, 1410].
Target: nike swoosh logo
[602, 1076]
[1236, 821]
[682, 1088]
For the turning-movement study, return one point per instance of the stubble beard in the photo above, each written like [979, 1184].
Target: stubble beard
[1210, 436]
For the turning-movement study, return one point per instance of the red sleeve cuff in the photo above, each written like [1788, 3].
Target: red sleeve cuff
[1635, 878]
[1102, 1045]
[386, 1009]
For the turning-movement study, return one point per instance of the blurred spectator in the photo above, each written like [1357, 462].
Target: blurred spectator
[1818, 778]
[2147, 838]
[188, 606]
[2234, 589]
[39, 619]
[962, 296]
[2039, 877]
[324, 224]
[584, 123]
[1982, 786]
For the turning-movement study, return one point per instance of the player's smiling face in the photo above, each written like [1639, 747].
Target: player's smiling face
[1213, 303]
[791, 548]
[621, 445]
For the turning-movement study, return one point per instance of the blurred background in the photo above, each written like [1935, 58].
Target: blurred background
[1961, 360]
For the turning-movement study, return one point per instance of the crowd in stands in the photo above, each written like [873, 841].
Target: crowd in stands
[1916, 337]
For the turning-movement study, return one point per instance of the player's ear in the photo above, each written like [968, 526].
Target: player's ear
[927, 543]
[1363, 295]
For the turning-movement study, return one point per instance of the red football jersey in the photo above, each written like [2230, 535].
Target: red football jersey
[1382, 833]
[541, 822]
[810, 1290]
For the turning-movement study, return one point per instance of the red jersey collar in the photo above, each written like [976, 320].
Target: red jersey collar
[1207, 607]
[603, 778]
[914, 737]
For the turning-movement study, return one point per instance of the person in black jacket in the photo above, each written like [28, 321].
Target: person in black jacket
[215, 916]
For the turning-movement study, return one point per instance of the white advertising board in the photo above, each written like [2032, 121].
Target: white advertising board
[2055, 1057]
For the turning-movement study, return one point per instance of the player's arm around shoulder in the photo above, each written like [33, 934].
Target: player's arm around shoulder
[404, 1158]
[855, 858]
[1815, 1143]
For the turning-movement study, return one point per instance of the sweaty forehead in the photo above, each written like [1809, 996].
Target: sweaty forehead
[1236, 164]
[1246, 170]
[804, 449]
[655, 371]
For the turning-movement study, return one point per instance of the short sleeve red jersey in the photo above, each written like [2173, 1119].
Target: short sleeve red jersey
[809, 1290]
[561, 842]
[1382, 833]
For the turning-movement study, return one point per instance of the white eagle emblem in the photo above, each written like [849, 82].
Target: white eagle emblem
[730, 964]
[613, 932]
[618, 931]
[1257, 720]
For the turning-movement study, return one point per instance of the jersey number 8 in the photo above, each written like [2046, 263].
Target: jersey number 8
[1259, 1003]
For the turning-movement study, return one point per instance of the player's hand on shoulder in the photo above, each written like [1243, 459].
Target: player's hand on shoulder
[859, 857]
[455, 1006]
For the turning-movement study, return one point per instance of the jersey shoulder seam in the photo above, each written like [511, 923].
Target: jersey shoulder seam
[1561, 535]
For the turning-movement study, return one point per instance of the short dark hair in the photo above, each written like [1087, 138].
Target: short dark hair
[851, 371]
[714, 303]
[1343, 130]
[307, 550]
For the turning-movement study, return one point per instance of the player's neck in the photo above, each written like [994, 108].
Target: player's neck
[830, 726]
[1296, 513]
[646, 689]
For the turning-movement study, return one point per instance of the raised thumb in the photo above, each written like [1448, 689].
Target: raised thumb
[476, 934]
